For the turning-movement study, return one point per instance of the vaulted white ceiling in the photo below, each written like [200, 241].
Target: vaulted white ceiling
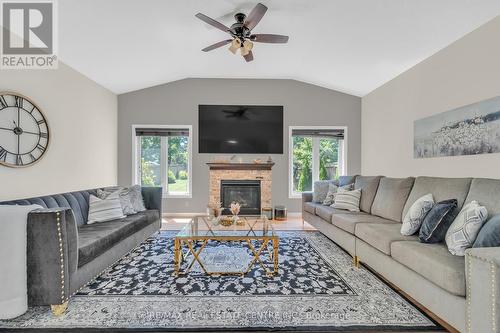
[348, 45]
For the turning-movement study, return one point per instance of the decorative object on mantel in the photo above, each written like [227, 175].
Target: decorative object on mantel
[269, 159]
[468, 130]
[24, 133]
[280, 213]
[257, 161]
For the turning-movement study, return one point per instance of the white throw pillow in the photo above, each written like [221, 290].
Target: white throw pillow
[416, 214]
[102, 210]
[348, 200]
[465, 228]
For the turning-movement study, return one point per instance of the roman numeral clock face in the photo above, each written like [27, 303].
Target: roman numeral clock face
[24, 133]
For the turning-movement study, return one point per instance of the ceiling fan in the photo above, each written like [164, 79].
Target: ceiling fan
[241, 32]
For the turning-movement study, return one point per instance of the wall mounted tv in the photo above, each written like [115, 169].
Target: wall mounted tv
[240, 129]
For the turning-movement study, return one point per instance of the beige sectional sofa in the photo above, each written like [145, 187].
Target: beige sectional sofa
[462, 291]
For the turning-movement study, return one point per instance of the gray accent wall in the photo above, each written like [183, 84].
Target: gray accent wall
[176, 103]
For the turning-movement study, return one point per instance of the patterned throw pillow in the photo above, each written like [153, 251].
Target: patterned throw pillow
[330, 196]
[320, 190]
[437, 221]
[463, 231]
[348, 200]
[102, 210]
[124, 194]
[135, 193]
[416, 214]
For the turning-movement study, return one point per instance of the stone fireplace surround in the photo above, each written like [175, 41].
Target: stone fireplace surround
[241, 171]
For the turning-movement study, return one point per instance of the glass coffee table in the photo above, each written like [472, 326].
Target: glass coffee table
[255, 233]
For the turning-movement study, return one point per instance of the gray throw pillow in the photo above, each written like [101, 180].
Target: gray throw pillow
[489, 235]
[102, 210]
[320, 190]
[135, 193]
[416, 214]
[464, 230]
[124, 194]
[437, 221]
[330, 196]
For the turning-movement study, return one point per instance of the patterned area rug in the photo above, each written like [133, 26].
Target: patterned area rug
[316, 288]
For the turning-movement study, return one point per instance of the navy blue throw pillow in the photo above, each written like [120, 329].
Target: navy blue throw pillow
[437, 221]
[489, 235]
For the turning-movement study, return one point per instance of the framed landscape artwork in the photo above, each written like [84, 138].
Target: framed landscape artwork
[468, 130]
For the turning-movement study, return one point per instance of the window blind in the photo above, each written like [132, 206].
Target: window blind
[162, 132]
[320, 133]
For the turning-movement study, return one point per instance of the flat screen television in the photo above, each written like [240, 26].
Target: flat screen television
[240, 129]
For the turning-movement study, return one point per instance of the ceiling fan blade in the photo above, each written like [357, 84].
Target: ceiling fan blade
[217, 45]
[269, 38]
[212, 22]
[255, 16]
[249, 56]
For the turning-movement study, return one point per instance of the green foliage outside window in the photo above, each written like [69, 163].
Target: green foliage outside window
[302, 161]
[148, 177]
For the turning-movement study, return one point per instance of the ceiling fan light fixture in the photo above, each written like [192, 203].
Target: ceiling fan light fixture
[244, 51]
[248, 45]
[235, 45]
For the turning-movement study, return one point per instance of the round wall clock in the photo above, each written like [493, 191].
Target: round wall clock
[24, 133]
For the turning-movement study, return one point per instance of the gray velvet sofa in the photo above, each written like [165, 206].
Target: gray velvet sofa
[462, 291]
[65, 253]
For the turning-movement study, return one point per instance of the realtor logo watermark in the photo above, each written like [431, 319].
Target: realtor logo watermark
[29, 34]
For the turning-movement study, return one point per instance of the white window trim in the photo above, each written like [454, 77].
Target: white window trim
[342, 152]
[163, 159]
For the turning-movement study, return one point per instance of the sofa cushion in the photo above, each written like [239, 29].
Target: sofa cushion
[391, 197]
[368, 186]
[346, 180]
[434, 262]
[310, 207]
[95, 239]
[348, 222]
[325, 212]
[441, 189]
[381, 235]
[487, 193]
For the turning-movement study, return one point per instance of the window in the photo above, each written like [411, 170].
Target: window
[163, 158]
[315, 153]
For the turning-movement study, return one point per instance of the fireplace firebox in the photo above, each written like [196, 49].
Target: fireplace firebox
[245, 192]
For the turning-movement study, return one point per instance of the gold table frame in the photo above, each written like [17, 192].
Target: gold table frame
[190, 241]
